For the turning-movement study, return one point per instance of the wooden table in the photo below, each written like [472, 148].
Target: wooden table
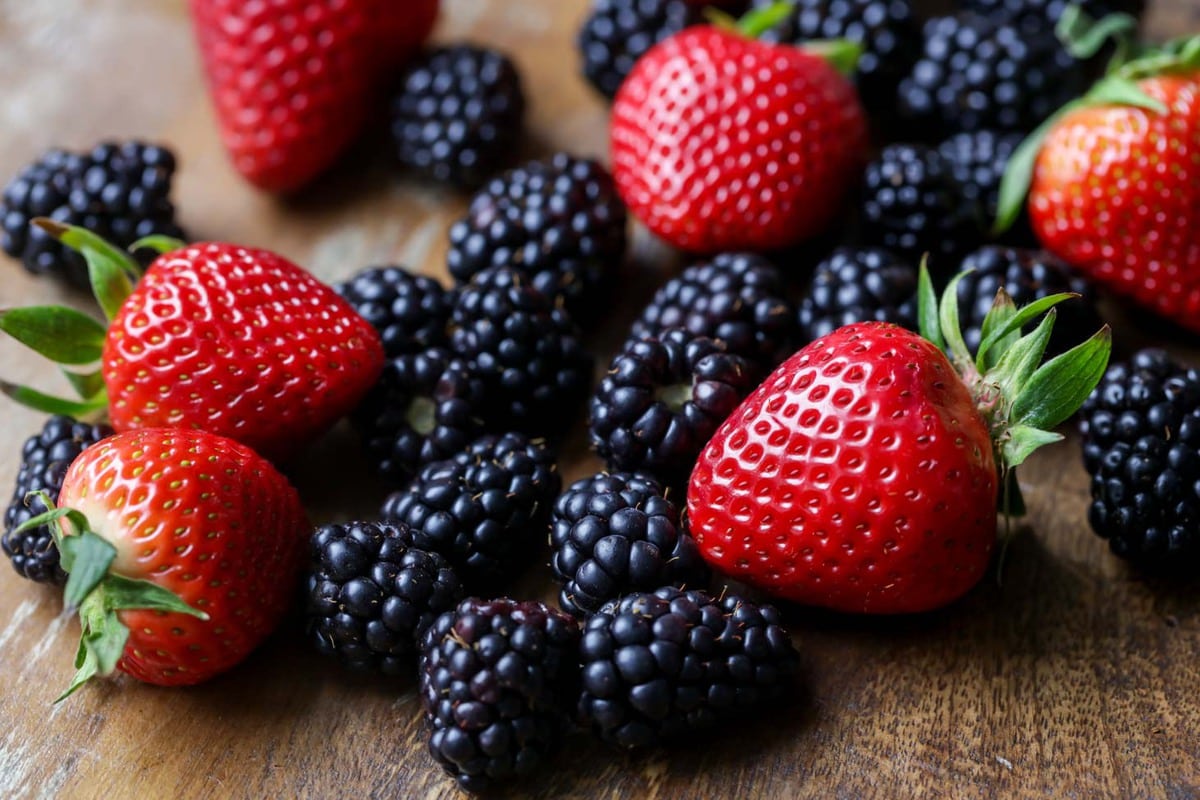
[1075, 678]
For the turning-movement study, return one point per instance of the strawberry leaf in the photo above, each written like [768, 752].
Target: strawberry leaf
[927, 308]
[121, 593]
[1023, 441]
[1116, 90]
[1018, 174]
[1001, 311]
[49, 404]
[1084, 37]
[81, 239]
[842, 54]
[90, 556]
[1060, 386]
[1017, 321]
[101, 643]
[111, 284]
[158, 243]
[1021, 360]
[948, 320]
[757, 21]
[88, 385]
[63, 335]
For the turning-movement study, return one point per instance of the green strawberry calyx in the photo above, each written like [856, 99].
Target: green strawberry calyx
[843, 54]
[98, 593]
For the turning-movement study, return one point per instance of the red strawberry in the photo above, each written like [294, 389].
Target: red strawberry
[721, 142]
[862, 475]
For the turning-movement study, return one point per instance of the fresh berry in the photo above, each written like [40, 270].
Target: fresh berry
[661, 400]
[1045, 14]
[372, 595]
[978, 161]
[738, 298]
[859, 284]
[458, 114]
[558, 222]
[1141, 445]
[527, 351]
[617, 33]
[616, 533]
[409, 311]
[724, 143]
[119, 191]
[497, 678]
[44, 461]
[486, 510]
[658, 667]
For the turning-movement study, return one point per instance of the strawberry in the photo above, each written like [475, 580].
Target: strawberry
[864, 474]
[232, 340]
[293, 82]
[721, 142]
[182, 551]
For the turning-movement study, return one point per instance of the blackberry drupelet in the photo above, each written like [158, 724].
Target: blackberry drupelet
[458, 114]
[617, 33]
[410, 311]
[497, 681]
[978, 161]
[486, 509]
[558, 221]
[735, 297]
[616, 533]
[659, 666]
[1141, 445]
[425, 407]
[371, 595]
[859, 284]
[662, 400]
[1040, 14]
[119, 191]
[526, 350]
[44, 462]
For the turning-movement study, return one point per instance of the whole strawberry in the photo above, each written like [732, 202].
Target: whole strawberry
[721, 142]
[864, 474]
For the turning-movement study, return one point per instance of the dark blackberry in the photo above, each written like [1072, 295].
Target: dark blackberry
[978, 74]
[558, 221]
[1141, 445]
[736, 297]
[120, 192]
[486, 509]
[44, 461]
[662, 400]
[410, 311]
[859, 284]
[617, 33]
[616, 533]
[497, 678]
[659, 666]
[1026, 275]
[978, 161]
[425, 407]
[526, 350]
[457, 116]
[372, 595]
[1040, 14]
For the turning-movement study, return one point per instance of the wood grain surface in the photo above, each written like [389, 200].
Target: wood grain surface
[1075, 678]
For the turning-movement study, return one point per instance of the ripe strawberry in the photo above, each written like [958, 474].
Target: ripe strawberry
[183, 551]
[724, 143]
[864, 473]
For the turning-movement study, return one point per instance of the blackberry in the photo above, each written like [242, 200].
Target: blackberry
[617, 33]
[1035, 14]
[615, 533]
[457, 116]
[662, 400]
[372, 595]
[976, 73]
[425, 407]
[659, 666]
[558, 221]
[735, 297]
[119, 191]
[410, 312]
[1141, 445]
[858, 284]
[1026, 275]
[526, 350]
[497, 678]
[486, 509]
[978, 161]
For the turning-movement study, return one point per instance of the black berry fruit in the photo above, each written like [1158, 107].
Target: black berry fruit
[411, 312]
[978, 161]
[616, 33]
[1042, 14]
[859, 284]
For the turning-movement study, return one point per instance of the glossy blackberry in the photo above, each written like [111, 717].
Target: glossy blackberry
[497, 682]
[978, 74]
[978, 161]
[1026, 275]
[526, 350]
[1141, 445]
[859, 284]
[558, 221]
[119, 191]
[617, 33]
[735, 297]
[616, 533]
[44, 461]
[657, 667]
[486, 509]
[410, 311]
[425, 407]
[371, 595]
[458, 114]
[1035, 14]
[662, 400]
